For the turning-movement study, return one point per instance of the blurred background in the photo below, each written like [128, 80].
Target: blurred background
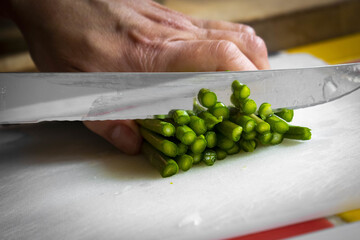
[283, 24]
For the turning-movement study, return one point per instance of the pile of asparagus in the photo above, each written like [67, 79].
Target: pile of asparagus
[212, 130]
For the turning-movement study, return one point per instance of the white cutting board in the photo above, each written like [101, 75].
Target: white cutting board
[59, 181]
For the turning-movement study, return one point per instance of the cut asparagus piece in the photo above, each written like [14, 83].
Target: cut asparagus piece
[286, 114]
[209, 157]
[241, 91]
[207, 98]
[220, 154]
[210, 120]
[161, 116]
[190, 113]
[164, 128]
[182, 148]
[210, 138]
[261, 125]
[223, 142]
[265, 138]
[247, 123]
[230, 130]
[198, 125]
[265, 111]
[248, 145]
[197, 157]
[199, 145]
[247, 106]
[180, 116]
[185, 162]
[277, 138]
[220, 110]
[160, 143]
[277, 124]
[165, 165]
[249, 135]
[298, 133]
[234, 150]
[185, 134]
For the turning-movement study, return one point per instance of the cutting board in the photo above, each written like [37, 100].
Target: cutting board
[60, 181]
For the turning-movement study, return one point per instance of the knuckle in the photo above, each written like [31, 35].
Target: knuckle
[226, 49]
[257, 45]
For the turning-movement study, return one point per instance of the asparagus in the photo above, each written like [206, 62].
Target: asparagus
[185, 162]
[223, 142]
[277, 138]
[234, 150]
[286, 114]
[248, 145]
[211, 139]
[165, 165]
[298, 133]
[164, 128]
[261, 125]
[220, 110]
[185, 134]
[210, 120]
[190, 113]
[249, 135]
[265, 111]
[197, 125]
[247, 123]
[240, 91]
[209, 157]
[182, 148]
[181, 117]
[230, 130]
[247, 106]
[207, 98]
[277, 124]
[265, 138]
[197, 108]
[199, 145]
[220, 154]
[197, 157]
[160, 143]
[161, 116]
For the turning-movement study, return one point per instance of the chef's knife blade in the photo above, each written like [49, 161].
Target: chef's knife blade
[35, 97]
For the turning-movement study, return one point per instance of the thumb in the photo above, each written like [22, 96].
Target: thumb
[123, 134]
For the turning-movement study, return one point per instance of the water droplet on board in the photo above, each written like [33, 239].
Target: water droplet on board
[329, 88]
[191, 220]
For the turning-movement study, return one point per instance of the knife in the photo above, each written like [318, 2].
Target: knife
[35, 97]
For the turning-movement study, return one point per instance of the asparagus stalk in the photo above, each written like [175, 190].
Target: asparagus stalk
[164, 128]
[261, 125]
[190, 113]
[197, 125]
[286, 114]
[220, 154]
[247, 106]
[234, 150]
[298, 133]
[199, 145]
[197, 108]
[211, 139]
[265, 111]
[220, 110]
[165, 165]
[181, 117]
[249, 135]
[185, 162]
[197, 157]
[160, 143]
[207, 98]
[277, 124]
[182, 148]
[185, 134]
[210, 120]
[248, 145]
[209, 157]
[247, 123]
[223, 142]
[277, 138]
[241, 91]
[230, 130]
[265, 138]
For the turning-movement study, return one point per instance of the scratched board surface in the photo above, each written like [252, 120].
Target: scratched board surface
[59, 181]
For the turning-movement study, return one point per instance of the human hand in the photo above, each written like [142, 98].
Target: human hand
[128, 36]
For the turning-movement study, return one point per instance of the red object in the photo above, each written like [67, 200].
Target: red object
[288, 231]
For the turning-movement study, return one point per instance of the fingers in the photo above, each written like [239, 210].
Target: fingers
[223, 25]
[251, 45]
[123, 134]
[205, 55]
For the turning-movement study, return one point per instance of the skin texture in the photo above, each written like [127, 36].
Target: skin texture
[129, 36]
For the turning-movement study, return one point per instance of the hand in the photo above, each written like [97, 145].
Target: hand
[131, 35]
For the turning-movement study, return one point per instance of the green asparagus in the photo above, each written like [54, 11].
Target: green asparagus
[248, 145]
[234, 150]
[209, 157]
[230, 130]
[277, 124]
[298, 133]
[247, 123]
[181, 117]
[160, 143]
[286, 114]
[220, 154]
[197, 125]
[199, 145]
[261, 125]
[185, 134]
[164, 128]
[277, 138]
[207, 98]
[241, 91]
[223, 142]
[265, 111]
[220, 110]
[210, 120]
[185, 162]
[211, 139]
[265, 138]
[249, 135]
[197, 157]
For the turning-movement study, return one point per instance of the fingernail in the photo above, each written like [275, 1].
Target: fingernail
[125, 139]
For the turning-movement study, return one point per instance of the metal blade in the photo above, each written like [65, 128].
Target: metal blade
[34, 97]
